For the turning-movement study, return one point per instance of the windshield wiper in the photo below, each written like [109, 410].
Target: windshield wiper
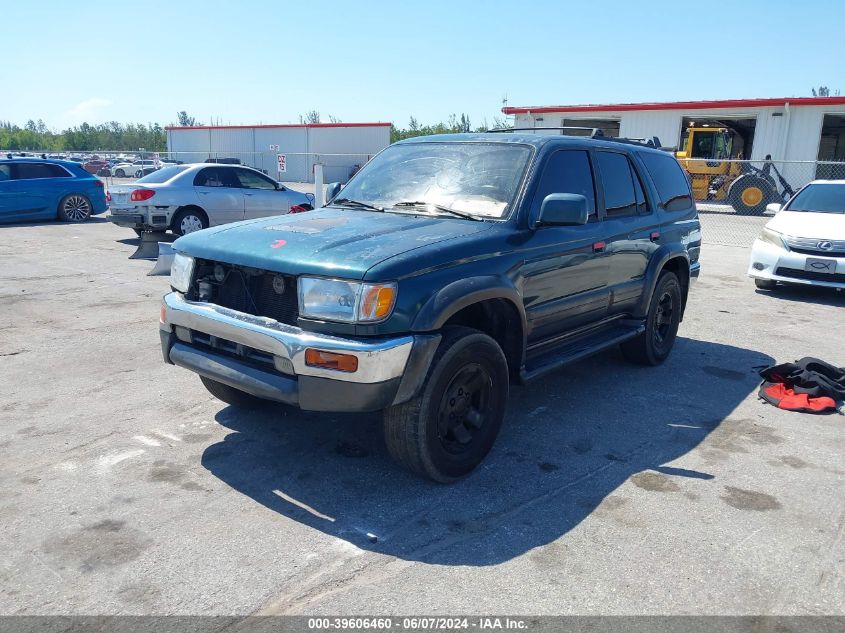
[348, 202]
[439, 207]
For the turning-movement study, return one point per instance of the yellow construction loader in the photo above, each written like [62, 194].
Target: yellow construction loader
[717, 173]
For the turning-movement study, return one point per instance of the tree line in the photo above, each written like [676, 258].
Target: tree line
[36, 136]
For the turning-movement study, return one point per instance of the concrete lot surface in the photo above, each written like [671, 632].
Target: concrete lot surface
[125, 488]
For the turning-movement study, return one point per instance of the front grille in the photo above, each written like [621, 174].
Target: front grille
[249, 290]
[817, 252]
[810, 245]
[810, 275]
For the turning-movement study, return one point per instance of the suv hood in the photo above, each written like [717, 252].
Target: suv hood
[343, 243]
[822, 226]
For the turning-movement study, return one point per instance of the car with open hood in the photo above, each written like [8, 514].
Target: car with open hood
[192, 197]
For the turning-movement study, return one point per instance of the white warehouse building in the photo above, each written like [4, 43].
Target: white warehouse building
[808, 129]
[342, 148]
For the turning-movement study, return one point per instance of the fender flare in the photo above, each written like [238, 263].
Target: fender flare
[659, 259]
[459, 294]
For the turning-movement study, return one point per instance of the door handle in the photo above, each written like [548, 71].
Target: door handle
[248, 194]
[203, 193]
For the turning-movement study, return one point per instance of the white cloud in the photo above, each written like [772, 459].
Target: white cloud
[88, 110]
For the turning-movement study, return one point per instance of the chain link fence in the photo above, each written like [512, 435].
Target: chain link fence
[733, 195]
[279, 165]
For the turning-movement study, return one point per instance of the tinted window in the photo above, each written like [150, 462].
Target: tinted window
[29, 171]
[567, 171]
[642, 205]
[670, 180]
[252, 180]
[162, 175]
[5, 172]
[216, 177]
[820, 198]
[620, 198]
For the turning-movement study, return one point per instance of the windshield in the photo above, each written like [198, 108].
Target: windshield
[162, 175]
[820, 198]
[480, 179]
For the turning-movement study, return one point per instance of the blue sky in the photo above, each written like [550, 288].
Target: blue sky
[246, 61]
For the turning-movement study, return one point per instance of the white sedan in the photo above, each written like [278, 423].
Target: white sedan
[188, 198]
[805, 242]
[136, 169]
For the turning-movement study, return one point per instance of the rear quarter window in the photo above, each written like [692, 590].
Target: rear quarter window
[32, 171]
[669, 179]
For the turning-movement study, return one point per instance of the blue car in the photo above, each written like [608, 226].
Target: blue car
[36, 189]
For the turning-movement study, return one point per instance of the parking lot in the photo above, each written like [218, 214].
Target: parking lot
[612, 489]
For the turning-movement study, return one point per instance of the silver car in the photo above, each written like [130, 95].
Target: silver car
[187, 198]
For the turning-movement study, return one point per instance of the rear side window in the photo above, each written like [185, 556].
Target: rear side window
[672, 185]
[31, 171]
[5, 172]
[567, 171]
[162, 175]
[621, 197]
[216, 177]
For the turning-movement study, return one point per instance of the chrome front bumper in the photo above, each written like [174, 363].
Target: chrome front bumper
[397, 365]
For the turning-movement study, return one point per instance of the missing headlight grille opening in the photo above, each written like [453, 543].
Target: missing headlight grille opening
[248, 290]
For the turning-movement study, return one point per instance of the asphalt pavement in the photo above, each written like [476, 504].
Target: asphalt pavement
[125, 488]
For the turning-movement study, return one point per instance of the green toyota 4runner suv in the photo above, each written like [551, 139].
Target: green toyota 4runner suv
[448, 268]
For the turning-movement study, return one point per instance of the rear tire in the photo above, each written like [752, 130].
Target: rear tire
[188, 221]
[765, 284]
[449, 428]
[653, 346]
[75, 208]
[230, 395]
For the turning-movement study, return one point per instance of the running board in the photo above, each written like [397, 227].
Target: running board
[581, 347]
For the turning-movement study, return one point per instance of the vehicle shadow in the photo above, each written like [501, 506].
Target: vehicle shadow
[569, 441]
[94, 219]
[134, 241]
[807, 294]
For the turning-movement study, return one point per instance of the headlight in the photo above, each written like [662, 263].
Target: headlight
[348, 301]
[772, 237]
[181, 271]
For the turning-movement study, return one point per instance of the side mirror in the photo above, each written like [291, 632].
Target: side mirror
[563, 209]
[773, 208]
[332, 189]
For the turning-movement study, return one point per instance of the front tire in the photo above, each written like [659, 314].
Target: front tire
[75, 208]
[120, 174]
[653, 346]
[230, 395]
[449, 428]
[751, 195]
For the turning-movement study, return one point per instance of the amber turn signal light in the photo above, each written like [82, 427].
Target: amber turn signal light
[330, 360]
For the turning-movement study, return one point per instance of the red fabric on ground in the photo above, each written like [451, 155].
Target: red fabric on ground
[791, 401]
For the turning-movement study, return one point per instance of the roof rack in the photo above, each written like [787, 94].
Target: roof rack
[595, 133]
